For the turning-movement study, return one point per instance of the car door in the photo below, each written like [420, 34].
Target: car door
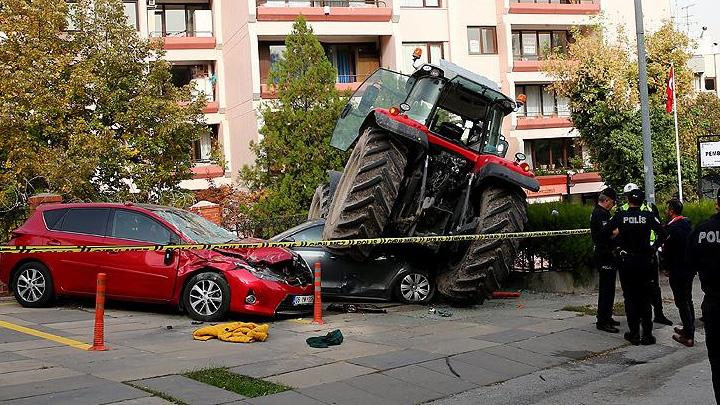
[77, 272]
[143, 275]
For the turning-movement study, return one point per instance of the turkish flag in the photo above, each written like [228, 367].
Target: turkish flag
[670, 91]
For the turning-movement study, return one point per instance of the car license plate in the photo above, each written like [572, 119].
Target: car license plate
[303, 300]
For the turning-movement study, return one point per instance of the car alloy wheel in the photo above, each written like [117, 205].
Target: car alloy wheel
[415, 287]
[31, 285]
[206, 297]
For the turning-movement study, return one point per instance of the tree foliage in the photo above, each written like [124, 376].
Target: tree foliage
[88, 112]
[601, 81]
[294, 151]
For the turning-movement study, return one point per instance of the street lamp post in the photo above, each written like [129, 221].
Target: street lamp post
[644, 104]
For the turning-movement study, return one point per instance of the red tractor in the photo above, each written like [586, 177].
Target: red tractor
[428, 159]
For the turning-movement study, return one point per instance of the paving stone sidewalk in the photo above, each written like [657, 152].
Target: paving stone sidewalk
[406, 356]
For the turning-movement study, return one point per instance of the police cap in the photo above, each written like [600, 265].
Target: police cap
[636, 195]
[610, 193]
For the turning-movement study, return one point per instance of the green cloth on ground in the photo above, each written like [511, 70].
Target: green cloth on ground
[333, 338]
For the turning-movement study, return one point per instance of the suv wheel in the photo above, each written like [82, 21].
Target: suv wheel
[207, 297]
[415, 288]
[32, 285]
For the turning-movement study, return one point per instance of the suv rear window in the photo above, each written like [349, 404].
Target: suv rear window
[52, 218]
[91, 221]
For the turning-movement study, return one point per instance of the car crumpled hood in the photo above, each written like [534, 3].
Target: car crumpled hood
[280, 261]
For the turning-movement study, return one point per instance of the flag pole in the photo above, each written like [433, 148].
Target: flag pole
[677, 134]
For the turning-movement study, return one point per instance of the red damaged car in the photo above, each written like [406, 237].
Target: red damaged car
[207, 284]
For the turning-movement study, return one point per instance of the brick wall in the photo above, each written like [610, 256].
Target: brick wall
[208, 210]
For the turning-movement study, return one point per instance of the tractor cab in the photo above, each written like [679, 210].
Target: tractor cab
[444, 100]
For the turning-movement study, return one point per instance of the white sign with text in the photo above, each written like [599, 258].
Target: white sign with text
[710, 154]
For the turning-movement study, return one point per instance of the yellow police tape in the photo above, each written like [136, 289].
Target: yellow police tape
[257, 245]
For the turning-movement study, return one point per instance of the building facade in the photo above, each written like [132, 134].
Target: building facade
[227, 48]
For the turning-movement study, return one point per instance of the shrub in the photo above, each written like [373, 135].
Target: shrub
[574, 253]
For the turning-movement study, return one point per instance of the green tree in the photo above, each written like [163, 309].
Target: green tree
[89, 112]
[294, 152]
[601, 81]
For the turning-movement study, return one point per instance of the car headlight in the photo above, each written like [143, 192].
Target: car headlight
[260, 273]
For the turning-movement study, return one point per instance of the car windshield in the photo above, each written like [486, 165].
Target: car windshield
[195, 227]
[383, 89]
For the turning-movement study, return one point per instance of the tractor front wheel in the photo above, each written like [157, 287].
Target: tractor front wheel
[486, 264]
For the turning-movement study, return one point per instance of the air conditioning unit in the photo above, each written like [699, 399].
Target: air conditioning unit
[151, 4]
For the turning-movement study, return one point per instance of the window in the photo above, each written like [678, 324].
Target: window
[312, 233]
[542, 102]
[130, 10]
[709, 83]
[552, 154]
[432, 52]
[420, 3]
[534, 45]
[91, 221]
[72, 7]
[201, 77]
[203, 147]
[482, 40]
[52, 218]
[136, 226]
[180, 20]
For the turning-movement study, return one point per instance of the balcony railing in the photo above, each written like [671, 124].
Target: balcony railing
[556, 1]
[321, 3]
[181, 34]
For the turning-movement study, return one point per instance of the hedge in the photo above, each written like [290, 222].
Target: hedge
[574, 253]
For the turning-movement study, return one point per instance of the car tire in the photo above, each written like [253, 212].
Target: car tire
[206, 297]
[320, 202]
[414, 287]
[32, 285]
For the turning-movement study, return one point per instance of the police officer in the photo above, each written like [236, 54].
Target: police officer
[704, 256]
[681, 276]
[604, 261]
[656, 293]
[633, 228]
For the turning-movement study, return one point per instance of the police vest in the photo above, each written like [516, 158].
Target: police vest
[644, 207]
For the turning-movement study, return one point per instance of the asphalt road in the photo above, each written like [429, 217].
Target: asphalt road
[660, 374]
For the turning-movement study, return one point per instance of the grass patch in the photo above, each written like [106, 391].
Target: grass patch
[243, 385]
[157, 393]
[591, 310]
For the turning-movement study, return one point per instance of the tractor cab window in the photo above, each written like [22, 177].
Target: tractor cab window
[423, 97]
[495, 143]
[383, 89]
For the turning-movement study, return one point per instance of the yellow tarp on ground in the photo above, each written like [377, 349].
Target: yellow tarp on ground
[236, 332]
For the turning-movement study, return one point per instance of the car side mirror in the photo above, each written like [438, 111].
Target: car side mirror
[169, 256]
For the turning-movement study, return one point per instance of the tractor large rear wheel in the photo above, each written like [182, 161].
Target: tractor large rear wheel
[486, 264]
[320, 203]
[366, 193]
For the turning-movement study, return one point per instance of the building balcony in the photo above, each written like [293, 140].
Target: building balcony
[267, 92]
[555, 7]
[543, 122]
[182, 25]
[324, 10]
[207, 171]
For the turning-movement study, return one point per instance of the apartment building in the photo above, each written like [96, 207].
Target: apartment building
[229, 46]
[705, 64]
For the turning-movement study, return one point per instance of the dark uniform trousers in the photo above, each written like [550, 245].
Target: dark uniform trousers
[681, 284]
[607, 271]
[636, 280]
[711, 317]
[655, 292]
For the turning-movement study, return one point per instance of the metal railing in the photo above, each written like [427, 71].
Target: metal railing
[321, 3]
[181, 34]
